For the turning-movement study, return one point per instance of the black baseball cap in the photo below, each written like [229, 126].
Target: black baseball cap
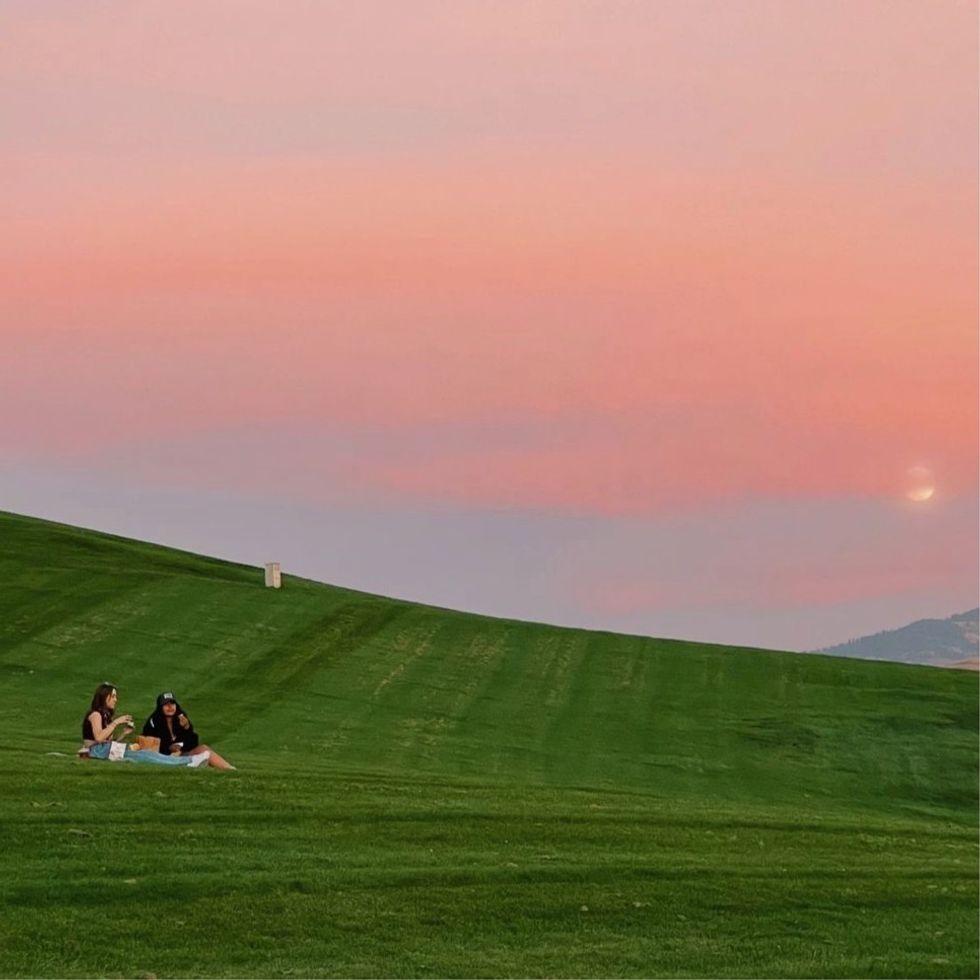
[166, 698]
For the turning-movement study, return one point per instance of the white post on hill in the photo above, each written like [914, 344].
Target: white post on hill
[273, 575]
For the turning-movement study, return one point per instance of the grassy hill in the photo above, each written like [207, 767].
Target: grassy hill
[429, 793]
[950, 642]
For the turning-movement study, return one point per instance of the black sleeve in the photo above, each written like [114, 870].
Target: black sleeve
[148, 728]
[188, 736]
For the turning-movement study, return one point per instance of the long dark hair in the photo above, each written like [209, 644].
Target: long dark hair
[161, 721]
[99, 699]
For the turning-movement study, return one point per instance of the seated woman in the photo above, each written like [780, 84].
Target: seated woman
[100, 731]
[176, 733]
[99, 725]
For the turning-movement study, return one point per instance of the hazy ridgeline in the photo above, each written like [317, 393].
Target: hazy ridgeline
[425, 792]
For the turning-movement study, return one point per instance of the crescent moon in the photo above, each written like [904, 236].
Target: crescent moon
[920, 494]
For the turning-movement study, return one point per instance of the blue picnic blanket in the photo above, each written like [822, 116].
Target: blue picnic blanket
[101, 751]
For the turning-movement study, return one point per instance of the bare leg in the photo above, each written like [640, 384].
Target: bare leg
[214, 759]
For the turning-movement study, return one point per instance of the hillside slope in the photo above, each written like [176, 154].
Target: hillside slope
[368, 682]
[950, 642]
[385, 745]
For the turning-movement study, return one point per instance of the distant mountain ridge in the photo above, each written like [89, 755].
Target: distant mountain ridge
[951, 642]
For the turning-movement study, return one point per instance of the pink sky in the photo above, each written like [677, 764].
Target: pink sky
[619, 261]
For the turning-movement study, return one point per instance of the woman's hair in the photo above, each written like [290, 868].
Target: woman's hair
[99, 699]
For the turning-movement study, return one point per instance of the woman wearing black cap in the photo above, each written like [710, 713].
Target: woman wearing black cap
[176, 733]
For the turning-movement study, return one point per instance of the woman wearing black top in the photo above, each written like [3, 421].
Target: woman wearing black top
[176, 733]
[99, 725]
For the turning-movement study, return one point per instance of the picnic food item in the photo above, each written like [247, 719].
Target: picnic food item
[149, 742]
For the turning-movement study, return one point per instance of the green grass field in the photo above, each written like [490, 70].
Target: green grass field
[427, 793]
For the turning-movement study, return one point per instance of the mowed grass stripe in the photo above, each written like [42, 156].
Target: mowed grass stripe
[483, 880]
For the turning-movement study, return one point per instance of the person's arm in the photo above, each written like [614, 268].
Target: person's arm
[185, 733]
[103, 733]
[150, 728]
[190, 739]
